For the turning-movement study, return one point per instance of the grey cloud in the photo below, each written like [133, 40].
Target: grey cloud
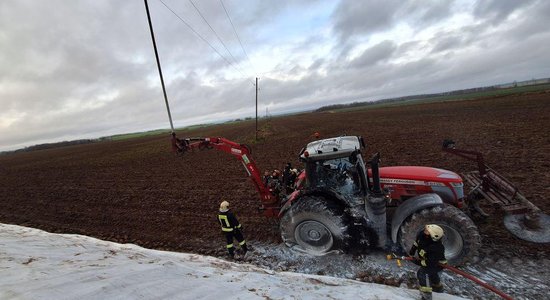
[317, 64]
[496, 11]
[435, 10]
[223, 98]
[405, 47]
[377, 53]
[289, 91]
[363, 17]
[359, 18]
[529, 23]
[446, 42]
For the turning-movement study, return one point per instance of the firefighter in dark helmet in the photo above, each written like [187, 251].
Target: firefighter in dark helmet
[231, 229]
[431, 253]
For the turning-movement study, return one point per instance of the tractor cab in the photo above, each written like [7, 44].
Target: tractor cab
[336, 164]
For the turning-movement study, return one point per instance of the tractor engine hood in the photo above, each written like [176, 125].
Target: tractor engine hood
[403, 182]
[417, 175]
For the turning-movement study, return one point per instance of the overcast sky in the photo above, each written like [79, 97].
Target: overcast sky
[72, 69]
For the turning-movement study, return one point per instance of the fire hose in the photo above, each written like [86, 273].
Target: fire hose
[457, 271]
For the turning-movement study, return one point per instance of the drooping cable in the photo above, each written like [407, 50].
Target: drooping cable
[202, 38]
[235, 31]
[212, 29]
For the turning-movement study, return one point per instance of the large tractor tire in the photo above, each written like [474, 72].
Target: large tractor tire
[461, 239]
[314, 226]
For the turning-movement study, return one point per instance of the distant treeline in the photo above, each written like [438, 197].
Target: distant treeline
[55, 145]
[511, 86]
[400, 99]
[429, 96]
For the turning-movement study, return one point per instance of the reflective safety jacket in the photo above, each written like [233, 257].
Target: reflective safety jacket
[431, 253]
[228, 221]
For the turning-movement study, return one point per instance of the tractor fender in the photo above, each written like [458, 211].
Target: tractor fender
[285, 207]
[411, 206]
[288, 202]
[313, 192]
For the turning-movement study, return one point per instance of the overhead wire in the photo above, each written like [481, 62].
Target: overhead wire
[201, 37]
[236, 34]
[214, 31]
[216, 34]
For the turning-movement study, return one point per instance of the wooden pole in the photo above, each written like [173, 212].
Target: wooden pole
[256, 108]
[158, 65]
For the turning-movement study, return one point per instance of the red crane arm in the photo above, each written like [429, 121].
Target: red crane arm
[270, 202]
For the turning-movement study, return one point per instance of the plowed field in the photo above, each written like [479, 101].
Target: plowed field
[137, 191]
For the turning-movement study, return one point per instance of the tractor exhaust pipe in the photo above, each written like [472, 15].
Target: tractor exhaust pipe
[376, 203]
[375, 167]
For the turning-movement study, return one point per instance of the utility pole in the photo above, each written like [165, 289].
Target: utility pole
[158, 65]
[256, 108]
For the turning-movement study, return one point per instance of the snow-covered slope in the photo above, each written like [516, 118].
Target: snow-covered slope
[35, 264]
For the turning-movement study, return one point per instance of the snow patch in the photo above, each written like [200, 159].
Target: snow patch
[40, 265]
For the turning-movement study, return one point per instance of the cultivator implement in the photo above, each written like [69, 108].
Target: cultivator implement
[523, 218]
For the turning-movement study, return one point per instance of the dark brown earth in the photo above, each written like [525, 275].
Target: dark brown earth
[138, 191]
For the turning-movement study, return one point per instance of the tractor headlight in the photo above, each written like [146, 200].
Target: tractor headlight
[457, 184]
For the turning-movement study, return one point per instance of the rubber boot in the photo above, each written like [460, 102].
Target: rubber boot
[426, 295]
[438, 288]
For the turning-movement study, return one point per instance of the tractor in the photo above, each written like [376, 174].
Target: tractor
[346, 203]
[340, 202]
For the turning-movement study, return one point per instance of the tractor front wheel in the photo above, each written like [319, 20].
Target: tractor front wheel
[461, 238]
[314, 226]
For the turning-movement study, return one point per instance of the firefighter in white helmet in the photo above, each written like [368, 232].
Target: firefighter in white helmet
[431, 253]
[231, 228]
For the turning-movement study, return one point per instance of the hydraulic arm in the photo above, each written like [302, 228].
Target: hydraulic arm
[270, 202]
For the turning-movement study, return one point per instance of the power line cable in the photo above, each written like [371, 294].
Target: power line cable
[202, 38]
[214, 31]
[237, 35]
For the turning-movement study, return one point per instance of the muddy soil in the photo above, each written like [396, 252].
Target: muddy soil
[138, 191]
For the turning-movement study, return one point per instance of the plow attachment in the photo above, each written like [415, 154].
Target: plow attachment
[523, 218]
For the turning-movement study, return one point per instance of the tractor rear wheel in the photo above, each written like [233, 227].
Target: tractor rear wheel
[461, 239]
[314, 226]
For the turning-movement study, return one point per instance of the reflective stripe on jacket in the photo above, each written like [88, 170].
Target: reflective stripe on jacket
[430, 252]
[228, 221]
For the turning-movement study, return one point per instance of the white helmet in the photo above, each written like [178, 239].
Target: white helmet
[224, 206]
[436, 232]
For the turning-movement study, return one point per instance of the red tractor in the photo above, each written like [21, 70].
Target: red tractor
[341, 202]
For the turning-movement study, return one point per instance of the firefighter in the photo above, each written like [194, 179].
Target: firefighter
[431, 253]
[276, 175]
[266, 178]
[292, 178]
[288, 179]
[231, 228]
[286, 174]
[274, 182]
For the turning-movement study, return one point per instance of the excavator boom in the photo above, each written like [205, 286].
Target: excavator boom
[270, 202]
